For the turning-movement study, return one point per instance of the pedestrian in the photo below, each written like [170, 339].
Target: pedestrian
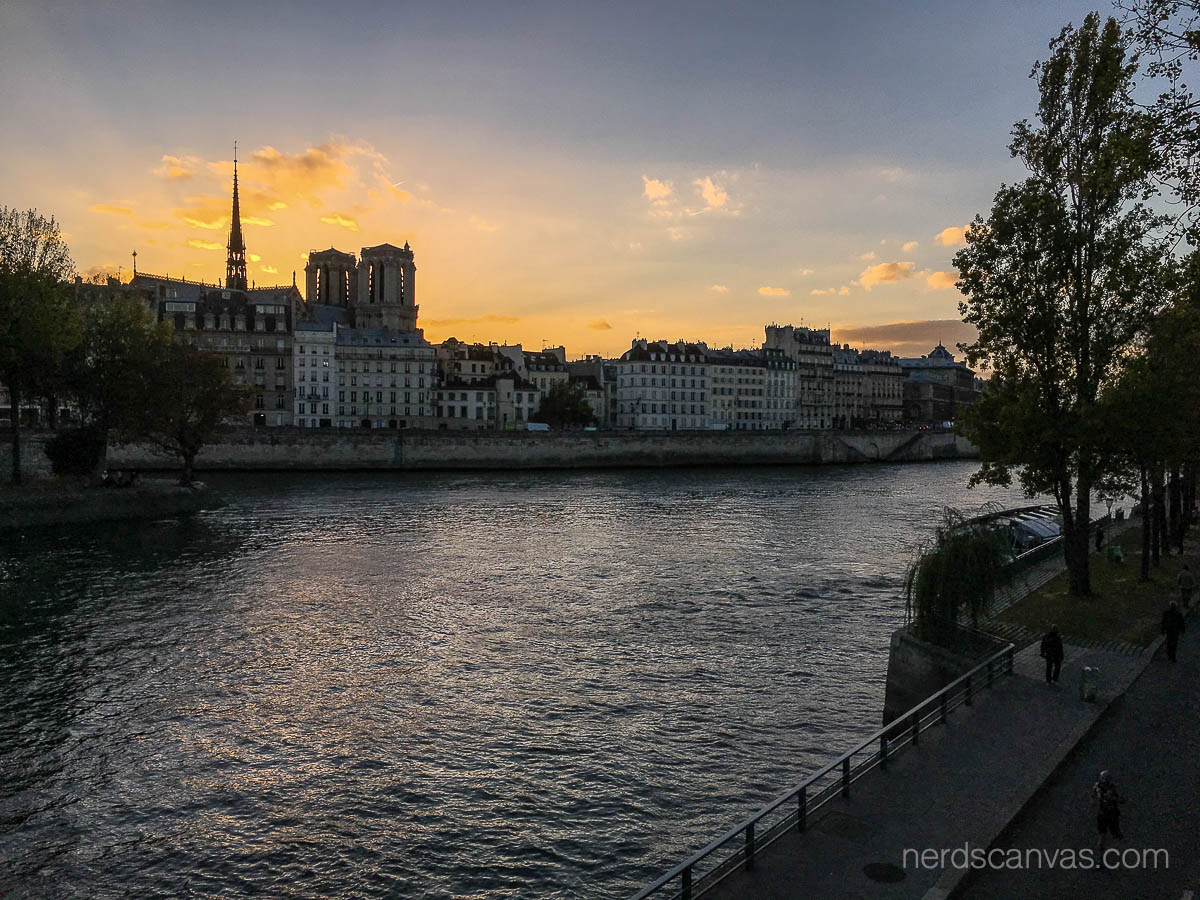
[1108, 816]
[1172, 627]
[1187, 584]
[1052, 652]
[1099, 538]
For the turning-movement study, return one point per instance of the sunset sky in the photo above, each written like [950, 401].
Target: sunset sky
[566, 173]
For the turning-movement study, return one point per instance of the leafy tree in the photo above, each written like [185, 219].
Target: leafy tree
[190, 395]
[109, 369]
[37, 322]
[1166, 34]
[1061, 279]
[565, 405]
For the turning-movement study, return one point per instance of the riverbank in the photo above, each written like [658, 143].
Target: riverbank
[60, 502]
[294, 449]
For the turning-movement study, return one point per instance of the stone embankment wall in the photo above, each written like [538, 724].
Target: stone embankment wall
[66, 502]
[297, 449]
[917, 670]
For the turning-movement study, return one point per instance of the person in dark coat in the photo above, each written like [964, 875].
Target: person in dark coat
[1052, 652]
[1108, 816]
[1172, 627]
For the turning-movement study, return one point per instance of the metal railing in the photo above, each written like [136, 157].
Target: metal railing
[793, 810]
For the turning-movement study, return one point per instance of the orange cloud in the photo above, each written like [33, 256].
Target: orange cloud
[818, 292]
[714, 195]
[720, 289]
[656, 191]
[255, 220]
[209, 224]
[177, 169]
[270, 270]
[886, 273]
[111, 210]
[599, 325]
[843, 291]
[341, 221]
[941, 280]
[910, 246]
[908, 338]
[473, 320]
[481, 224]
[953, 236]
[869, 255]
[774, 291]
[205, 245]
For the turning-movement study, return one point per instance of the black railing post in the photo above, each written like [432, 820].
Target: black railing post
[883, 751]
[750, 846]
[967, 688]
[916, 728]
[802, 810]
[846, 777]
[942, 703]
[1011, 661]
[686, 893]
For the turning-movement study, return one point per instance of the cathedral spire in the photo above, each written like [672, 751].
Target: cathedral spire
[235, 265]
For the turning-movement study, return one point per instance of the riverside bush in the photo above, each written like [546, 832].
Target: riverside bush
[76, 451]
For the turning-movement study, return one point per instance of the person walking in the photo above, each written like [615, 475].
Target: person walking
[1108, 816]
[1172, 627]
[1099, 538]
[1187, 584]
[1052, 652]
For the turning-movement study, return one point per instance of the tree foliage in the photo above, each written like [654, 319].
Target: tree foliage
[190, 395]
[960, 571]
[564, 405]
[1062, 278]
[37, 322]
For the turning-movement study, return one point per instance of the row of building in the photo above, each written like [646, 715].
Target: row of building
[349, 354]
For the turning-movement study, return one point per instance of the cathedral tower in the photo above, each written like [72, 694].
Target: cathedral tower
[386, 288]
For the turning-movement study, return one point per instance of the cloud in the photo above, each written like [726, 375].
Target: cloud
[843, 291]
[676, 233]
[205, 245]
[176, 169]
[111, 210]
[270, 270]
[656, 191]
[892, 174]
[953, 236]
[255, 220]
[481, 224]
[209, 224]
[911, 246]
[941, 280]
[599, 325]
[720, 288]
[908, 338]
[492, 318]
[341, 221]
[869, 255]
[253, 257]
[774, 291]
[803, 272]
[886, 273]
[714, 195]
[819, 292]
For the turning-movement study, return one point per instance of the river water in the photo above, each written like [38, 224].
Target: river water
[443, 685]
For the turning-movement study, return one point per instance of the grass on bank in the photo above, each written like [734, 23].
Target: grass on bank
[1123, 607]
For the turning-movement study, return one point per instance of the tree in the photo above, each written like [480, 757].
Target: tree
[37, 323]
[108, 371]
[1061, 279]
[190, 394]
[564, 405]
[1166, 34]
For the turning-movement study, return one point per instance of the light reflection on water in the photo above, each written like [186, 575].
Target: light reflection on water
[485, 685]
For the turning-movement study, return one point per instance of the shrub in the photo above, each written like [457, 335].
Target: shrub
[76, 451]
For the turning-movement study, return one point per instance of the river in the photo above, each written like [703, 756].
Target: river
[443, 685]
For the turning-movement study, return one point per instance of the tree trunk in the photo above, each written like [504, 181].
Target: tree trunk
[1076, 542]
[14, 399]
[189, 458]
[1189, 492]
[52, 411]
[1158, 515]
[1176, 488]
[1145, 524]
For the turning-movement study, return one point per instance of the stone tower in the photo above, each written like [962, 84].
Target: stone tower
[235, 263]
[386, 289]
[331, 278]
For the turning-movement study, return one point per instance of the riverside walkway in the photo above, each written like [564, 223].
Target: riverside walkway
[961, 786]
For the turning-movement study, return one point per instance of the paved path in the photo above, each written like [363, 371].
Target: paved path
[961, 785]
[1150, 742]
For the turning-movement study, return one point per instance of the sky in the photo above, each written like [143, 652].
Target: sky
[566, 173]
